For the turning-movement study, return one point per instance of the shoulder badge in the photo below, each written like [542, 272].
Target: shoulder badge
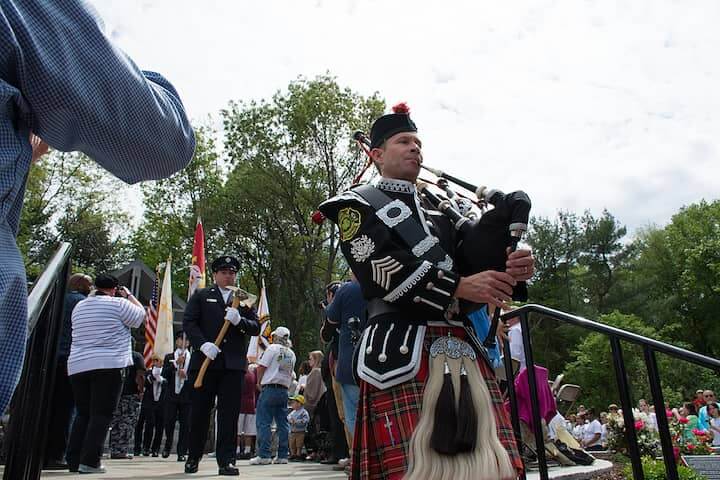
[349, 223]
[361, 248]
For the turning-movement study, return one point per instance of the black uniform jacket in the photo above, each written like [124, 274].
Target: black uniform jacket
[388, 269]
[204, 317]
[168, 372]
[148, 400]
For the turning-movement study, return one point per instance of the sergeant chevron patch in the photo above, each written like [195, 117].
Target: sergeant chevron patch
[383, 270]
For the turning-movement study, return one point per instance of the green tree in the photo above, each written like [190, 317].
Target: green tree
[557, 246]
[603, 256]
[171, 209]
[680, 267]
[592, 367]
[289, 154]
[70, 198]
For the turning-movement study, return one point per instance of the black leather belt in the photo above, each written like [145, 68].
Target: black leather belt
[274, 385]
[378, 306]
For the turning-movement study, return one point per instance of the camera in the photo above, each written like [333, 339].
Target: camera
[355, 333]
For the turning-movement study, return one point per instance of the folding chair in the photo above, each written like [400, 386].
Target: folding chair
[555, 385]
[568, 393]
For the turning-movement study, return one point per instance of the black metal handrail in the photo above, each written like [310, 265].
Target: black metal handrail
[43, 288]
[30, 407]
[616, 335]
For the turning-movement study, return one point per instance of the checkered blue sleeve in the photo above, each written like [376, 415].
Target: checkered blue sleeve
[81, 93]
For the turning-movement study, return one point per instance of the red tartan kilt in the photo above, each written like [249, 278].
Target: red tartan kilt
[387, 418]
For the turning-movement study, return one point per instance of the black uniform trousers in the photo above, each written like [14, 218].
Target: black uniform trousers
[179, 411]
[227, 386]
[149, 428]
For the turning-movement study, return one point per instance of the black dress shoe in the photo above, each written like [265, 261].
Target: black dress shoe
[73, 468]
[156, 454]
[166, 453]
[55, 465]
[228, 470]
[181, 458]
[191, 466]
[121, 456]
[329, 461]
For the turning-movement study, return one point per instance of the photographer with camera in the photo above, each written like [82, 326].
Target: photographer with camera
[347, 310]
[99, 352]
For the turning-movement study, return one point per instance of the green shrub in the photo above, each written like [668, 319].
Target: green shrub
[655, 470]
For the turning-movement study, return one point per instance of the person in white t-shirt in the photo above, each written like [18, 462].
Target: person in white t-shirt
[275, 375]
[557, 420]
[99, 351]
[578, 427]
[517, 351]
[592, 433]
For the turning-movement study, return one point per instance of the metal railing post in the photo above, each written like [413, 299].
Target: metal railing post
[663, 428]
[626, 402]
[534, 402]
[514, 416]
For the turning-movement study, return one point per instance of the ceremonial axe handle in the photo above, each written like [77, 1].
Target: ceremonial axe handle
[206, 363]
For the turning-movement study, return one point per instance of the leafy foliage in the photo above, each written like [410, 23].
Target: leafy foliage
[655, 470]
[69, 198]
[287, 156]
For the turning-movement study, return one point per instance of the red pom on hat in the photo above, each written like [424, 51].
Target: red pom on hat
[401, 107]
[317, 217]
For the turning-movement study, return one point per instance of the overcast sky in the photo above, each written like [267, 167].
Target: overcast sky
[582, 104]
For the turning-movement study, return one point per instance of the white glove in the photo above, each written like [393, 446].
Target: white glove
[210, 350]
[232, 315]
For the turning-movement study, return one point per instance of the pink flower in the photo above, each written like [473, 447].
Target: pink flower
[669, 414]
[639, 425]
[698, 433]
[683, 420]
[690, 447]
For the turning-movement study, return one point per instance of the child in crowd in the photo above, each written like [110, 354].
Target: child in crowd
[714, 415]
[299, 420]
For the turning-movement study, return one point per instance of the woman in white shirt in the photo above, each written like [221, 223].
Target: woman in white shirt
[99, 351]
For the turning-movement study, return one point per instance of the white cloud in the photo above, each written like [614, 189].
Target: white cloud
[582, 104]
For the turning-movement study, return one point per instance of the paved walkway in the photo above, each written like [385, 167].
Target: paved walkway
[142, 468]
[148, 468]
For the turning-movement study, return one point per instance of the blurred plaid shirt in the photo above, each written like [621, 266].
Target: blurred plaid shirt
[61, 78]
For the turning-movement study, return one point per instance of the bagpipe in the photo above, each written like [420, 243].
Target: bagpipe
[485, 238]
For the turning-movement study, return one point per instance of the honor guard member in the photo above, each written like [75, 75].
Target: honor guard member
[178, 391]
[415, 354]
[204, 316]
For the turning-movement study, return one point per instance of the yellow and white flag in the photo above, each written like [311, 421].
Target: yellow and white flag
[164, 335]
[258, 344]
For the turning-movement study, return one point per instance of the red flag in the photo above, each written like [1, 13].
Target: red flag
[151, 322]
[197, 264]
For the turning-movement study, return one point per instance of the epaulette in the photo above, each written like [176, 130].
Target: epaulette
[332, 206]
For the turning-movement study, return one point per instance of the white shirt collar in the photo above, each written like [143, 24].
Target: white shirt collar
[395, 185]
